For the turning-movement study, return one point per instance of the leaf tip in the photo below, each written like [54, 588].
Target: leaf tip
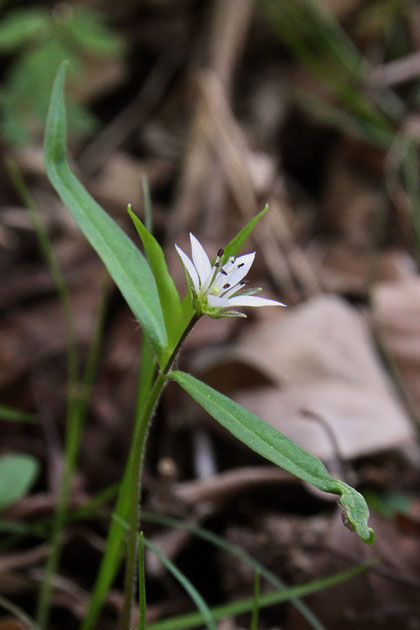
[370, 539]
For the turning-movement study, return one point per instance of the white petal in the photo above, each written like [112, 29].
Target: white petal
[252, 300]
[233, 275]
[216, 300]
[240, 268]
[190, 269]
[200, 259]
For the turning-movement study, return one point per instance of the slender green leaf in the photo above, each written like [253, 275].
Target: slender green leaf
[20, 26]
[277, 448]
[319, 43]
[240, 554]
[91, 33]
[124, 261]
[15, 415]
[194, 620]
[147, 202]
[169, 297]
[236, 243]
[256, 606]
[205, 613]
[18, 472]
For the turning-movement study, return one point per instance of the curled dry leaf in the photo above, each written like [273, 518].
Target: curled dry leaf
[317, 358]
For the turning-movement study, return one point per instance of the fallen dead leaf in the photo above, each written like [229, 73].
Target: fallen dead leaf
[8, 623]
[396, 315]
[317, 358]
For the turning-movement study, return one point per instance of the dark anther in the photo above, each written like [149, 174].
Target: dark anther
[217, 264]
[226, 286]
[223, 272]
[244, 282]
[240, 265]
[220, 252]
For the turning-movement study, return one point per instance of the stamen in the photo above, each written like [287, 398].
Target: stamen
[244, 282]
[216, 264]
[240, 265]
[220, 252]
[223, 272]
[226, 286]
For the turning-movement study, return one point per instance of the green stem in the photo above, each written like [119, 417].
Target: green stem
[139, 447]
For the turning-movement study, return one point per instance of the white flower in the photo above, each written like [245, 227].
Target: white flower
[217, 287]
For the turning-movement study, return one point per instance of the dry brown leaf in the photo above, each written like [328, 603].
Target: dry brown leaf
[348, 270]
[9, 623]
[318, 358]
[396, 314]
[100, 78]
[119, 182]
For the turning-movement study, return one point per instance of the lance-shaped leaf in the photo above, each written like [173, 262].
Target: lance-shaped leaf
[125, 263]
[277, 448]
[169, 297]
[236, 243]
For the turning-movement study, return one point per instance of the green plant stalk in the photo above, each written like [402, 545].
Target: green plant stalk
[138, 452]
[142, 585]
[256, 606]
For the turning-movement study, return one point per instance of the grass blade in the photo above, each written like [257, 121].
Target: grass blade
[238, 553]
[15, 415]
[74, 428]
[194, 620]
[205, 614]
[256, 602]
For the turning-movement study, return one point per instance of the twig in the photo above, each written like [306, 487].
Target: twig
[396, 72]
[129, 119]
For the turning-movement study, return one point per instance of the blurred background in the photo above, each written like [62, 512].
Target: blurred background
[213, 108]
